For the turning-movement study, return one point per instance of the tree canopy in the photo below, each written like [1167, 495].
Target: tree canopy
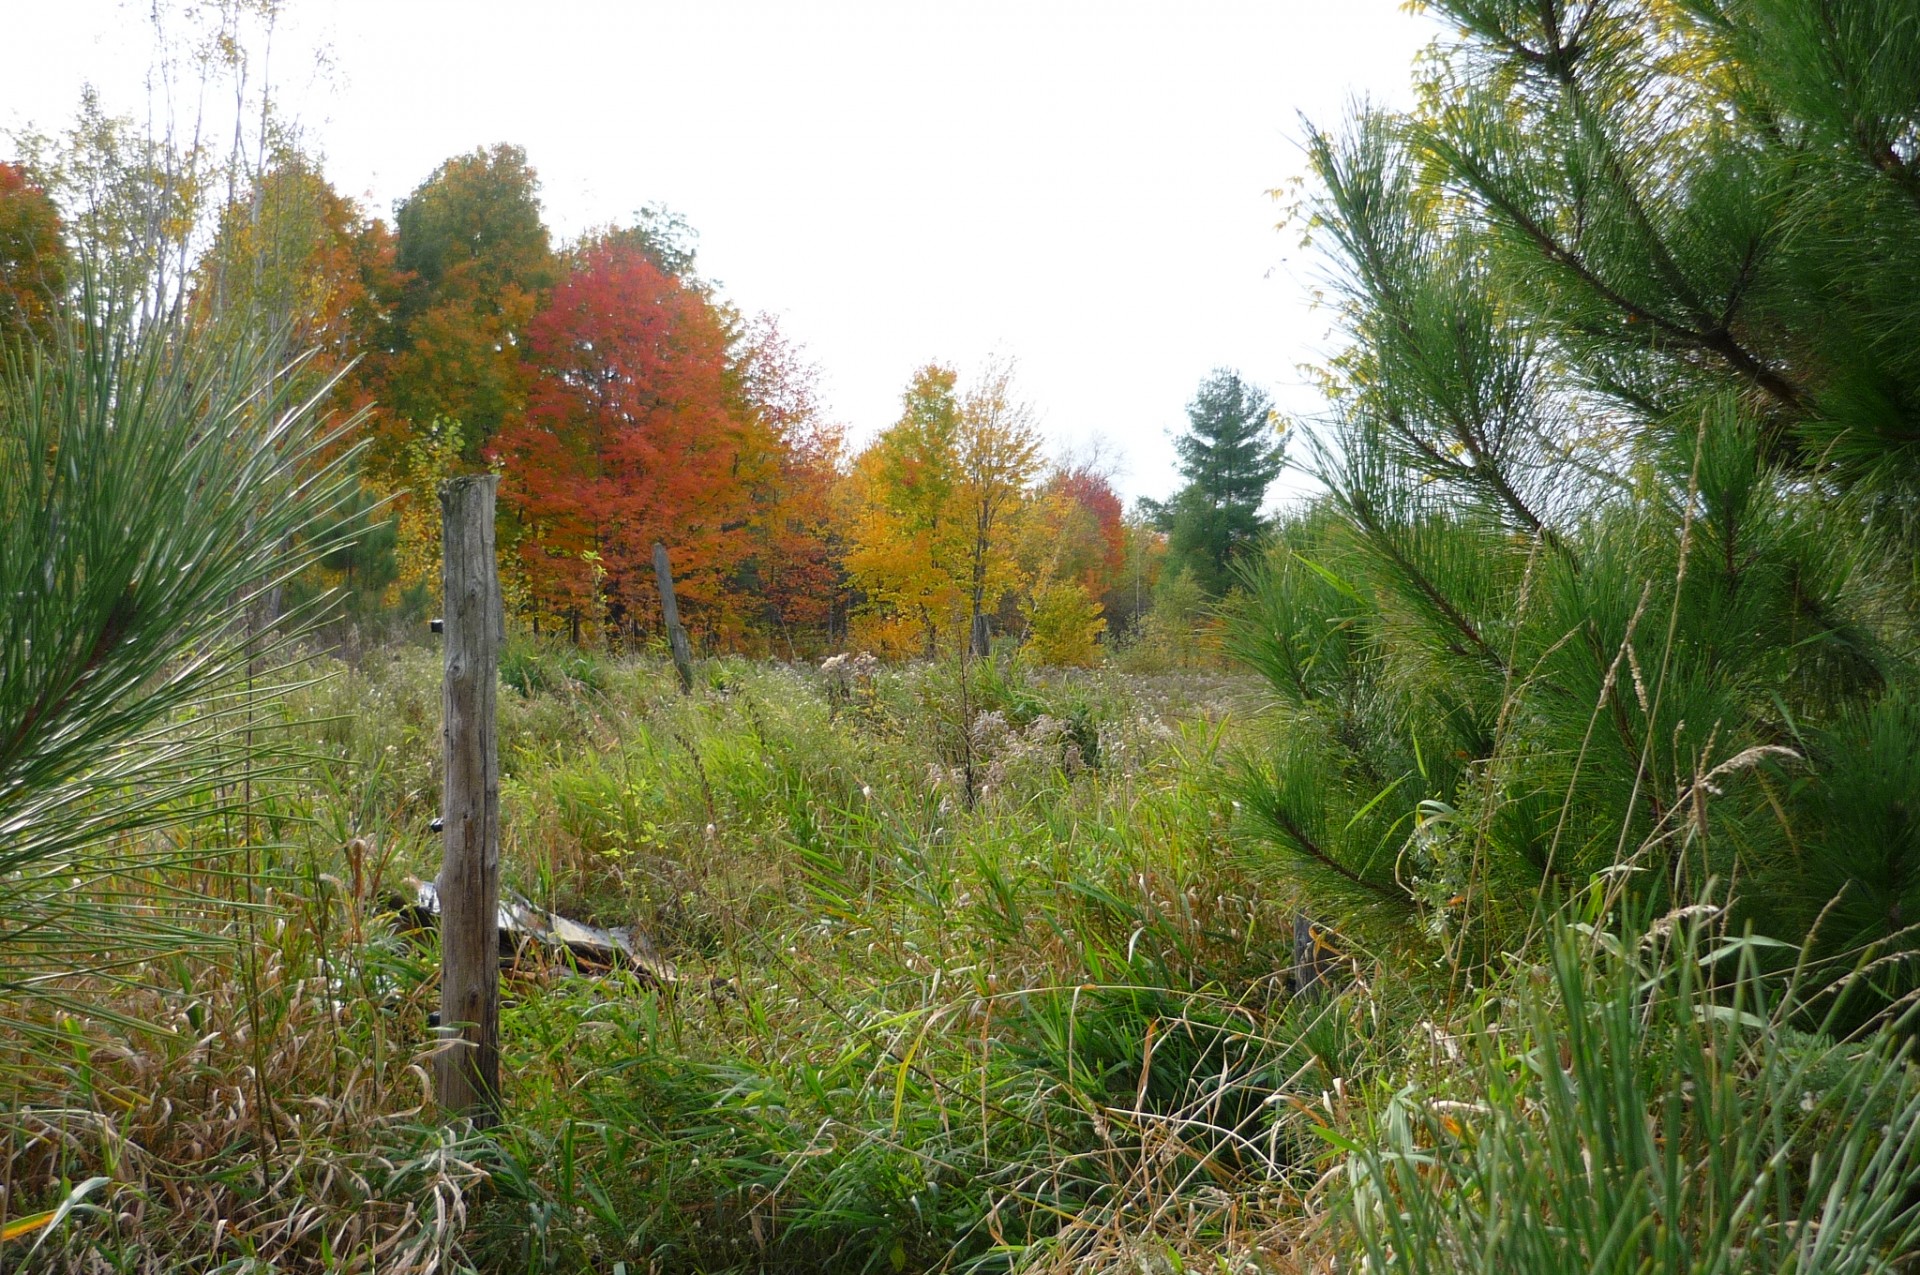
[476, 264]
[622, 398]
[631, 436]
[33, 258]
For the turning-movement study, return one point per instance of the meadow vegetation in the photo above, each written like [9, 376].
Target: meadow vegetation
[902, 1024]
[894, 1028]
[1504, 860]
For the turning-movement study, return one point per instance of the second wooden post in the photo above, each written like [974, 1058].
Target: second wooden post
[670, 612]
[468, 1069]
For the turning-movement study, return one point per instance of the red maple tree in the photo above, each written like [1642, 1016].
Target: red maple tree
[1093, 541]
[633, 433]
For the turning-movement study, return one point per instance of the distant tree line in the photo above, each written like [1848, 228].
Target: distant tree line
[624, 401]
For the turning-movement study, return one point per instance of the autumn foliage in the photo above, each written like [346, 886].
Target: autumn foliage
[1083, 530]
[475, 266]
[630, 437]
[950, 517]
[625, 403]
[33, 258]
[798, 540]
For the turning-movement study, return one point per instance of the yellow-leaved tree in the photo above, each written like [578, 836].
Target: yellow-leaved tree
[904, 546]
[1064, 625]
[427, 458]
[999, 458]
[934, 502]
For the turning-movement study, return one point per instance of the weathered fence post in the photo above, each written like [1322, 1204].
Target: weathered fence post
[670, 609]
[468, 1072]
[1313, 958]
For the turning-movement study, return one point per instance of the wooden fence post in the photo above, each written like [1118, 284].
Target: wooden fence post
[468, 1072]
[670, 610]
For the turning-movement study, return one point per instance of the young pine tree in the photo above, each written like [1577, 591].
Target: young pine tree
[1614, 584]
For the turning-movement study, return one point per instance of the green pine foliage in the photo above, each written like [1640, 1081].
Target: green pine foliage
[1614, 573]
[159, 486]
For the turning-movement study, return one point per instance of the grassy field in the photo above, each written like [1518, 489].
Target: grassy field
[913, 1018]
[1011, 996]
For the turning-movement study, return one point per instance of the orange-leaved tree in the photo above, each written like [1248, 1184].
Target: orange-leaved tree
[475, 265]
[304, 263]
[907, 542]
[795, 568]
[935, 505]
[311, 272]
[33, 258]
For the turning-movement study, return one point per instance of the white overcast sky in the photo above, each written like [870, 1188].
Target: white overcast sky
[1079, 186]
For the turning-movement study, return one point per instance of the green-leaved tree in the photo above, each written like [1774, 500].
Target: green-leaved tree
[476, 265]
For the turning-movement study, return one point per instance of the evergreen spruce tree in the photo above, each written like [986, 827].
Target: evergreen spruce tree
[1615, 584]
[1229, 457]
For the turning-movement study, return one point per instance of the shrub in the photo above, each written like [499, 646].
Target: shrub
[1064, 625]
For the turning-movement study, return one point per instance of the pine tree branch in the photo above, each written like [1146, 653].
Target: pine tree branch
[1380, 538]
[1484, 469]
[1718, 340]
[1313, 850]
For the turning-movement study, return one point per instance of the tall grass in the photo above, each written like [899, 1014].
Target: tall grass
[1644, 1104]
[891, 1030]
[898, 1030]
[909, 1029]
[894, 1031]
